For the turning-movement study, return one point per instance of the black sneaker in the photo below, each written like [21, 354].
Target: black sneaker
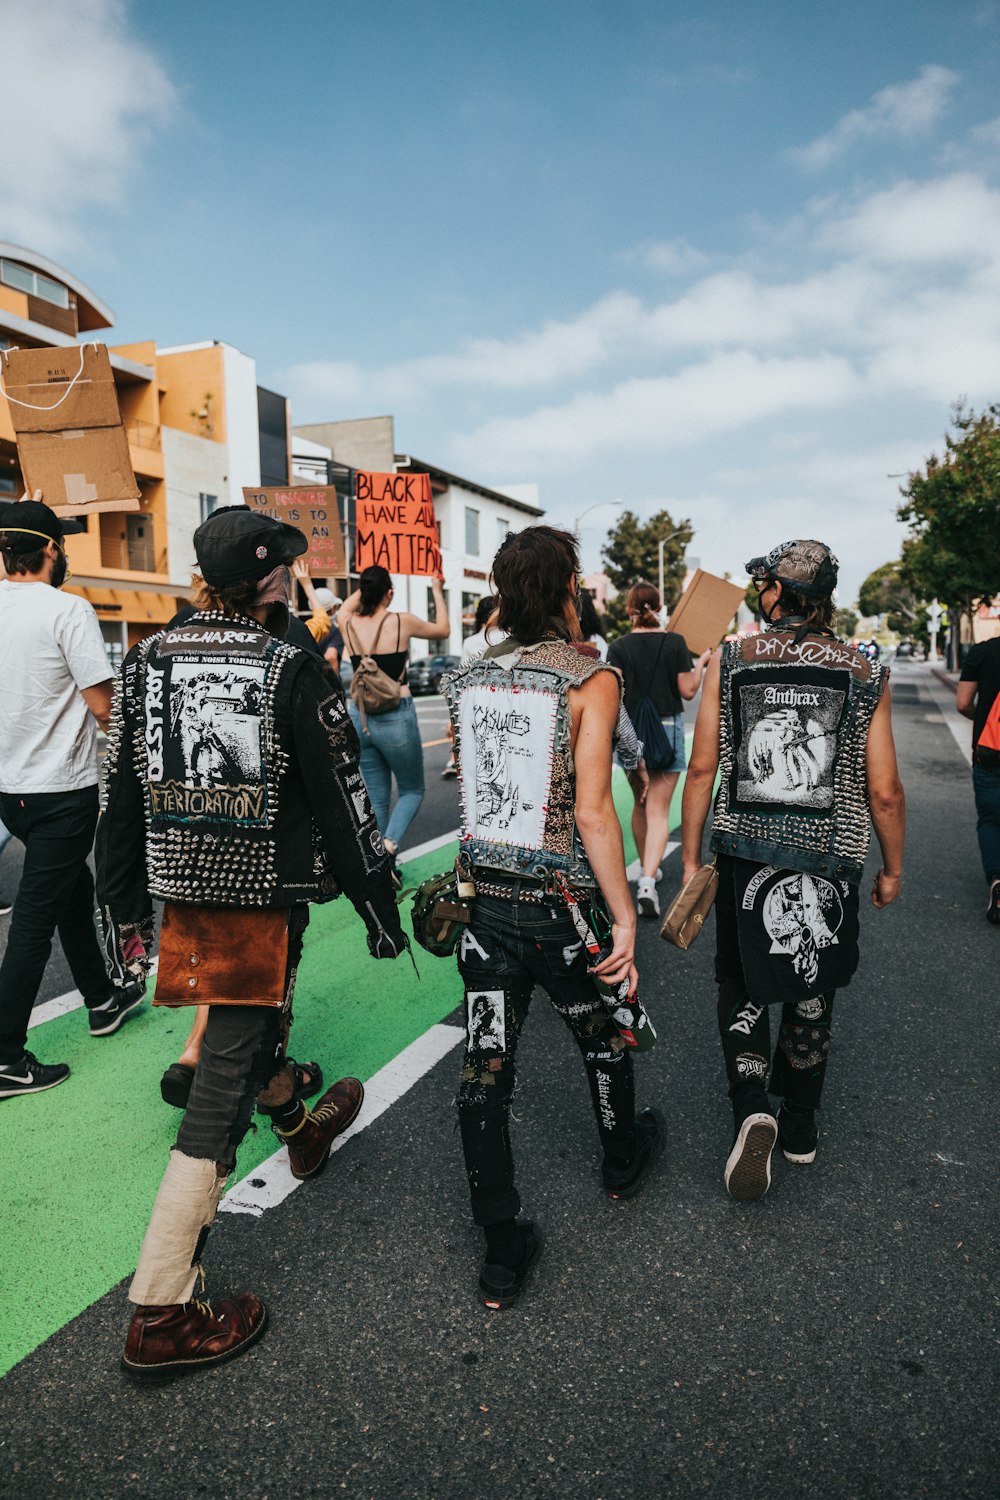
[450, 772]
[499, 1286]
[123, 1002]
[797, 1134]
[748, 1169]
[993, 909]
[29, 1076]
[625, 1182]
[5, 906]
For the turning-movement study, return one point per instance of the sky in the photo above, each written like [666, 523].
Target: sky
[735, 260]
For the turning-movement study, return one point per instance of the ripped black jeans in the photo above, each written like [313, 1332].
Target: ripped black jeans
[508, 948]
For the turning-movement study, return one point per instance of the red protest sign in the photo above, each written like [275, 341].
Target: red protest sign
[395, 524]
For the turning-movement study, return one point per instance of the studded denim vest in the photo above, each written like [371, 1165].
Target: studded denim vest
[794, 724]
[204, 709]
[511, 719]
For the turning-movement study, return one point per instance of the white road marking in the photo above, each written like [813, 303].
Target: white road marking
[271, 1182]
[405, 855]
[63, 1004]
[635, 868]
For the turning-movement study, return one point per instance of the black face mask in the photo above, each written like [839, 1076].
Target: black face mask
[59, 571]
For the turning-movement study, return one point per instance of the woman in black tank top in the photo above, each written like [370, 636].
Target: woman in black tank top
[390, 741]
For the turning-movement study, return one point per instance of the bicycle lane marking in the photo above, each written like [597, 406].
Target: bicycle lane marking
[81, 1163]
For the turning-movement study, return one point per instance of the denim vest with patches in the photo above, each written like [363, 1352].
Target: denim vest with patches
[511, 719]
[794, 722]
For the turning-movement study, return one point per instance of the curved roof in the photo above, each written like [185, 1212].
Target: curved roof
[91, 311]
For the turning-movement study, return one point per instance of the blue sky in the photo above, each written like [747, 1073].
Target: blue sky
[736, 259]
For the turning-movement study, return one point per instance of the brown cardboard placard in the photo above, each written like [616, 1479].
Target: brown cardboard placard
[314, 511]
[396, 526]
[70, 440]
[704, 610]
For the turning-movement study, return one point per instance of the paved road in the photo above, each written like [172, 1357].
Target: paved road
[838, 1338]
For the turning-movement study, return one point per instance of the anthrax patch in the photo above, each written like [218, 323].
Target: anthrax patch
[785, 726]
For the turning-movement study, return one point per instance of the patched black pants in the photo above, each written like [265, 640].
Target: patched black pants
[508, 948]
[798, 1068]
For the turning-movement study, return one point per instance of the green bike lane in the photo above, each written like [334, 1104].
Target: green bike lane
[81, 1163]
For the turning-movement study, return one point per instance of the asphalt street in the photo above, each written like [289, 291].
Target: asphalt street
[839, 1337]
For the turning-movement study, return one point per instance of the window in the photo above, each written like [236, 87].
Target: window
[503, 526]
[431, 609]
[207, 504]
[471, 532]
[33, 282]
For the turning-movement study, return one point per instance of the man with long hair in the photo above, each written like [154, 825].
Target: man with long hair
[800, 726]
[233, 795]
[533, 723]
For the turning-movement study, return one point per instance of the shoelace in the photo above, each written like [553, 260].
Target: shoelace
[203, 1304]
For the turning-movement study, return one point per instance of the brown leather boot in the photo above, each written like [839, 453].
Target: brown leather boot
[164, 1342]
[310, 1140]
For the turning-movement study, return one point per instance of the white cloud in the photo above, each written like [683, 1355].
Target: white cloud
[670, 258]
[556, 352]
[903, 111]
[722, 393]
[953, 218]
[80, 93]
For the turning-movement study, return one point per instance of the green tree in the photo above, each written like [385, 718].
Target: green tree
[844, 622]
[887, 592]
[631, 553]
[952, 508]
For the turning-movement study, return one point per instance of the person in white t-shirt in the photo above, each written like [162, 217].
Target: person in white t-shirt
[473, 647]
[55, 689]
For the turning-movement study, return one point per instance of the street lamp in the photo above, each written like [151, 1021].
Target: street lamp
[659, 549]
[596, 506]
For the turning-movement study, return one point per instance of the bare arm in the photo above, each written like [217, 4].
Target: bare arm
[333, 657]
[701, 771]
[688, 683]
[98, 700]
[965, 699]
[887, 801]
[437, 629]
[595, 714]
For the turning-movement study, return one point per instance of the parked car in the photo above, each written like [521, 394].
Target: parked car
[425, 676]
[905, 648]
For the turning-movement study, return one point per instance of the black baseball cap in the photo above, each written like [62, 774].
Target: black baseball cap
[808, 567]
[28, 524]
[237, 542]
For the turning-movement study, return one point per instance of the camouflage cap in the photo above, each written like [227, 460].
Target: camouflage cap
[809, 567]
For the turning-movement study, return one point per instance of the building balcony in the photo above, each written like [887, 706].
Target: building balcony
[145, 446]
[133, 555]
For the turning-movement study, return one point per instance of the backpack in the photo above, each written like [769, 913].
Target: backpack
[987, 751]
[657, 750]
[374, 691]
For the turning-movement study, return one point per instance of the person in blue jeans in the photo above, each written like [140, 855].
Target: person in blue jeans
[975, 698]
[390, 742]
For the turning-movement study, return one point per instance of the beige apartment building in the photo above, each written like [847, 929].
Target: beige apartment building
[197, 425]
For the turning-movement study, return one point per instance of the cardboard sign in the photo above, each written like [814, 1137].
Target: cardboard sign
[396, 527]
[70, 439]
[315, 513]
[704, 611]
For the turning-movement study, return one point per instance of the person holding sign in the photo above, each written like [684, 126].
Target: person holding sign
[659, 675]
[385, 719]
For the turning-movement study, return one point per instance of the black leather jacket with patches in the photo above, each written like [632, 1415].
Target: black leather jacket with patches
[232, 780]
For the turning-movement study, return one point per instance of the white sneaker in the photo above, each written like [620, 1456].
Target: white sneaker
[649, 901]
